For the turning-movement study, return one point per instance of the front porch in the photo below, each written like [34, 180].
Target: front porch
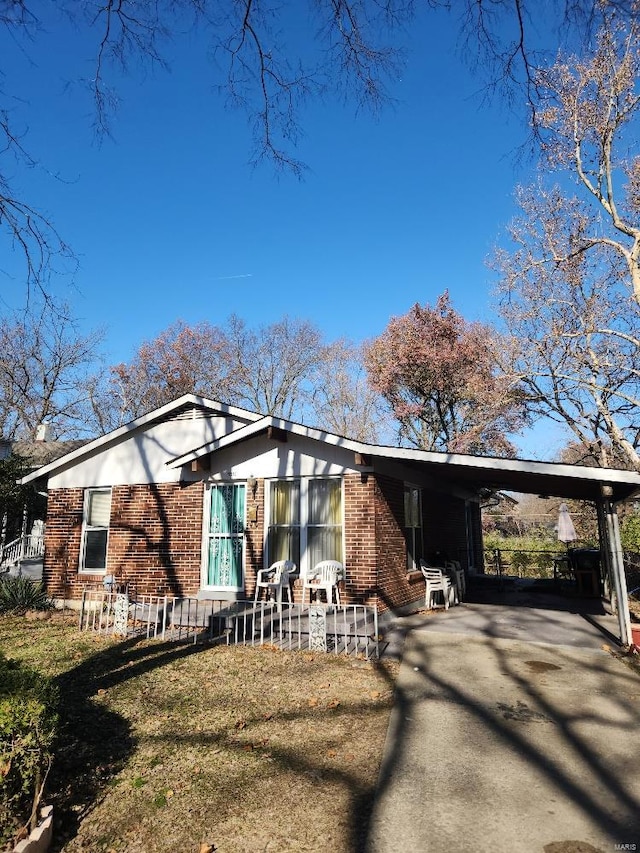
[339, 629]
[24, 556]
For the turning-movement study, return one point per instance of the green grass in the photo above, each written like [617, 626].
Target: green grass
[164, 747]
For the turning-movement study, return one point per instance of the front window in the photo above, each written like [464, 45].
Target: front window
[305, 521]
[324, 527]
[95, 530]
[284, 526]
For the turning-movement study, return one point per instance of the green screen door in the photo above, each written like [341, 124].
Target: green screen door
[226, 536]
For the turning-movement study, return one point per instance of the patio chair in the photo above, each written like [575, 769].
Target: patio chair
[326, 576]
[275, 580]
[437, 582]
[459, 579]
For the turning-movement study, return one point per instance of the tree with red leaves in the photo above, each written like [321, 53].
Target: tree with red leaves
[437, 373]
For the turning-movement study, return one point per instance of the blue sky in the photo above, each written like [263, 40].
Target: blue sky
[169, 221]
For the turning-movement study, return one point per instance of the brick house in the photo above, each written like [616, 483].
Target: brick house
[194, 498]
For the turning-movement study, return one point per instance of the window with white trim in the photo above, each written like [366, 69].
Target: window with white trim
[305, 521]
[283, 541]
[95, 530]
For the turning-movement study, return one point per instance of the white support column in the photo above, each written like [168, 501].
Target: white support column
[615, 559]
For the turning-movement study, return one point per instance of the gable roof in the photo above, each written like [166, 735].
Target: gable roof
[457, 469]
[162, 413]
[496, 473]
[262, 425]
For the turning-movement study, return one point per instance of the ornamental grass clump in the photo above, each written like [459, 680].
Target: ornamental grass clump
[19, 594]
[28, 722]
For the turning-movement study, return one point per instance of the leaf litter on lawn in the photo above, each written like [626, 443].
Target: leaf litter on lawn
[243, 749]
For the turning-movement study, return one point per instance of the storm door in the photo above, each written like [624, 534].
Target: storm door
[226, 536]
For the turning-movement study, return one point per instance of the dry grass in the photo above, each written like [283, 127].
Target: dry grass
[166, 747]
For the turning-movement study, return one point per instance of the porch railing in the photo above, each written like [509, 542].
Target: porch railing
[339, 629]
[27, 547]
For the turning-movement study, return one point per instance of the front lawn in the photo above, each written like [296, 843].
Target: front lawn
[166, 747]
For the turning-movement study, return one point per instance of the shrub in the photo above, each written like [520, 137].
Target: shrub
[492, 540]
[18, 594]
[28, 722]
[529, 555]
[630, 533]
[545, 561]
[520, 562]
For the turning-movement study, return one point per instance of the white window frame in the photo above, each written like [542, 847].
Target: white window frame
[87, 528]
[304, 517]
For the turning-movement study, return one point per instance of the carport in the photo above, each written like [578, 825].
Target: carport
[604, 487]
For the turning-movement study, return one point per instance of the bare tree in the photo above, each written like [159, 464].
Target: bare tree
[342, 400]
[264, 65]
[588, 114]
[268, 370]
[259, 67]
[44, 367]
[182, 359]
[29, 231]
[509, 41]
[573, 324]
[275, 367]
[569, 276]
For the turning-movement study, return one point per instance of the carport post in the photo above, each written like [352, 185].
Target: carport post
[615, 559]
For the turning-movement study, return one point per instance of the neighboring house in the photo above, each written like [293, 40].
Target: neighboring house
[197, 496]
[22, 516]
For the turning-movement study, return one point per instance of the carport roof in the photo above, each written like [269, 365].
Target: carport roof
[540, 478]
[470, 472]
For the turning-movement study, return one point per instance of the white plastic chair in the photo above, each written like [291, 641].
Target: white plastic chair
[460, 579]
[436, 582]
[325, 575]
[275, 580]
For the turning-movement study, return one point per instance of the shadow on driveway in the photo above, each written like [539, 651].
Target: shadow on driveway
[514, 729]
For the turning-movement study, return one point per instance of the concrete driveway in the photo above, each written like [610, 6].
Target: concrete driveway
[515, 730]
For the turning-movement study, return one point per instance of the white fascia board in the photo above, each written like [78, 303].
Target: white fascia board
[494, 463]
[245, 432]
[117, 435]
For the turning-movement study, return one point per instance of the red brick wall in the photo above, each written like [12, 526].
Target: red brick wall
[164, 523]
[254, 538]
[394, 588]
[155, 538]
[444, 528]
[360, 539]
[63, 533]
